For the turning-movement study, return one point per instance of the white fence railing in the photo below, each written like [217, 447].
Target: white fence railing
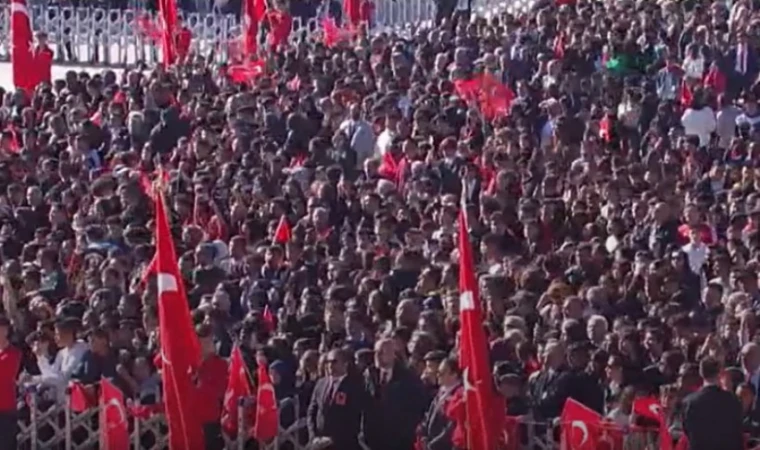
[112, 37]
[45, 425]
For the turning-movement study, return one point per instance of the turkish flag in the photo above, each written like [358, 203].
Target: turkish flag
[579, 426]
[267, 415]
[180, 350]
[280, 26]
[22, 59]
[247, 72]
[114, 428]
[611, 436]
[283, 234]
[496, 98]
[352, 9]
[253, 13]
[510, 434]
[238, 386]
[81, 398]
[481, 405]
[167, 11]
[332, 35]
[650, 408]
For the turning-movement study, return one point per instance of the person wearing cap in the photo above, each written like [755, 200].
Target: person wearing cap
[10, 367]
[437, 426]
[67, 361]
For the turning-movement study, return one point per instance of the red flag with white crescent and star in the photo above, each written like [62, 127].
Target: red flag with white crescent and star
[267, 415]
[650, 408]
[238, 386]
[579, 426]
[167, 11]
[180, 350]
[114, 425]
[482, 426]
[22, 58]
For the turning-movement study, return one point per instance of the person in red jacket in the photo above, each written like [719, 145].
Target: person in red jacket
[10, 365]
[212, 383]
[43, 58]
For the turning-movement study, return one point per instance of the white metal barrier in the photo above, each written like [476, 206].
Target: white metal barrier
[43, 425]
[112, 37]
[47, 425]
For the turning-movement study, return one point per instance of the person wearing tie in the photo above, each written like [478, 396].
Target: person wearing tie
[712, 417]
[744, 63]
[437, 426]
[397, 401]
[337, 406]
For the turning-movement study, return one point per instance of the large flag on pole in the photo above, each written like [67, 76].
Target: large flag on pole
[167, 12]
[482, 425]
[22, 59]
[180, 350]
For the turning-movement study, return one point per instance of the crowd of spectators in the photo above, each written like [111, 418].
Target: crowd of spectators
[614, 214]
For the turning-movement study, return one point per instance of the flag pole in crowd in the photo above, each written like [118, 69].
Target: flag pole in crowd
[481, 432]
[180, 349]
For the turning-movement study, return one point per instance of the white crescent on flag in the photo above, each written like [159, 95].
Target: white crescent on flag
[584, 429]
[167, 283]
[466, 301]
[466, 380]
[122, 415]
[505, 436]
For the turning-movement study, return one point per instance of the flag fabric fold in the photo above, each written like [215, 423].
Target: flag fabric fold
[23, 69]
[238, 386]
[283, 233]
[179, 347]
[81, 398]
[579, 426]
[650, 408]
[114, 422]
[167, 10]
[482, 406]
[267, 414]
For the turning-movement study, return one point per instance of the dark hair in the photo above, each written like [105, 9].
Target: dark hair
[709, 368]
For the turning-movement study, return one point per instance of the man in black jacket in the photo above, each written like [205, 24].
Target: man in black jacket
[712, 416]
[397, 401]
[437, 426]
[337, 406]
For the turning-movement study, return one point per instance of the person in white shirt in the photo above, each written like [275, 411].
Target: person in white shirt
[699, 120]
[385, 138]
[696, 251]
[68, 359]
[360, 135]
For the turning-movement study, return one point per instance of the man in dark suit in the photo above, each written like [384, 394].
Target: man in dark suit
[397, 401]
[337, 405]
[437, 427]
[712, 416]
[743, 64]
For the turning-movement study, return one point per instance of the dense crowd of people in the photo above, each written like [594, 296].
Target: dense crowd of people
[614, 212]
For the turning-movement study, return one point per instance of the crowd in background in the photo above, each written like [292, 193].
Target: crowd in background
[614, 210]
